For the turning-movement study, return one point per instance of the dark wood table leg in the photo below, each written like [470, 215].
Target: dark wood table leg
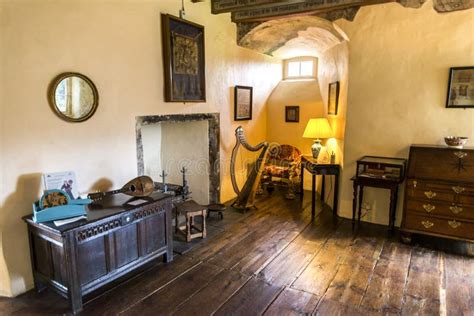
[302, 181]
[336, 195]
[168, 256]
[393, 206]
[354, 201]
[361, 198]
[313, 196]
[323, 188]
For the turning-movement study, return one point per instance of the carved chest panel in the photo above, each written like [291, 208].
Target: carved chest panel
[439, 197]
[116, 239]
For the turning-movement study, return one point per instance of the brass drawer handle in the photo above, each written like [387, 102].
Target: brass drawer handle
[415, 183]
[460, 154]
[427, 224]
[455, 209]
[430, 194]
[454, 224]
[428, 207]
[458, 189]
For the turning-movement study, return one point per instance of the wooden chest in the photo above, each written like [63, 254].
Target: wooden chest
[439, 196]
[117, 238]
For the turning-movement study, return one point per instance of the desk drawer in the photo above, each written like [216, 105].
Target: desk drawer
[433, 225]
[450, 192]
[435, 208]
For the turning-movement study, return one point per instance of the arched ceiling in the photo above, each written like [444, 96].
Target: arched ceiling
[294, 36]
[286, 28]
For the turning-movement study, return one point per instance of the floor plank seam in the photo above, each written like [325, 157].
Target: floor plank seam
[405, 286]
[124, 283]
[371, 275]
[231, 296]
[204, 285]
[274, 299]
[442, 286]
[313, 256]
[161, 287]
[270, 260]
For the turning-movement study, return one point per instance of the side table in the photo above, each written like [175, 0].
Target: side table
[310, 164]
[358, 185]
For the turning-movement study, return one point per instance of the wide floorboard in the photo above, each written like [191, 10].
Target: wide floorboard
[275, 261]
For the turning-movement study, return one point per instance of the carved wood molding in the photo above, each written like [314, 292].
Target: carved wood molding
[308, 7]
[244, 11]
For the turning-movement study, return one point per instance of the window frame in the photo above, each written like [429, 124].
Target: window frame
[286, 63]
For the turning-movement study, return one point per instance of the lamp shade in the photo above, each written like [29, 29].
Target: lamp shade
[318, 128]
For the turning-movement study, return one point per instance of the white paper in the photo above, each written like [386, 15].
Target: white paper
[69, 220]
[65, 181]
[137, 202]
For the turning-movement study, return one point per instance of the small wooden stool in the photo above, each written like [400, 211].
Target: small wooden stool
[218, 208]
[190, 209]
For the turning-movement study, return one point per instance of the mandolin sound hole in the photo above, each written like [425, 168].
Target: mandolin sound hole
[132, 188]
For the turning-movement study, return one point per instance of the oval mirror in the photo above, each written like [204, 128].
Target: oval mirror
[73, 97]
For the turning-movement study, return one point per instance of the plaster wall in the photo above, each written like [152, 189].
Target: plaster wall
[151, 140]
[186, 144]
[118, 45]
[4, 278]
[399, 63]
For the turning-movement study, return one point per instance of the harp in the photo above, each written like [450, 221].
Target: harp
[246, 196]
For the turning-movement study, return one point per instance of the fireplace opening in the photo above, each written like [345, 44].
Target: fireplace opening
[170, 142]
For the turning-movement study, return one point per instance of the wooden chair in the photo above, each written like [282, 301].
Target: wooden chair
[282, 167]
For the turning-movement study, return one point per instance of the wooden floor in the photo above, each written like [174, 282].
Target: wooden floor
[274, 261]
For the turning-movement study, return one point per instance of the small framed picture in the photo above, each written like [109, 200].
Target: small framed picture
[333, 98]
[292, 113]
[242, 103]
[461, 87]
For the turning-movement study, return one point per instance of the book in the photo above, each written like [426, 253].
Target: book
[65, 181]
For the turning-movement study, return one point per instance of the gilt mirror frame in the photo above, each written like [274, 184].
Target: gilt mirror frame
[52, 96]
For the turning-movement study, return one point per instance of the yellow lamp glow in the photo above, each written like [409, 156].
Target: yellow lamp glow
[317, 128]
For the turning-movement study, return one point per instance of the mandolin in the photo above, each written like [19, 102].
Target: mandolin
[139, 187]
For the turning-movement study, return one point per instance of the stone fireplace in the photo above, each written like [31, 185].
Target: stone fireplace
[170, 142]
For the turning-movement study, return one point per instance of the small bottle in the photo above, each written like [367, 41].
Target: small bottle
[333, 158]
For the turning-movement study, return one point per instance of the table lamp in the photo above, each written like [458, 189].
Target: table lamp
[317, 128]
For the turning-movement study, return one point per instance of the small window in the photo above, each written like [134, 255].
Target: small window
[300, 68]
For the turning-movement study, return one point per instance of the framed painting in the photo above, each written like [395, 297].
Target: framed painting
[183, 60]
[333, 98]
[292, 113]
[242, 103]
[461, 87]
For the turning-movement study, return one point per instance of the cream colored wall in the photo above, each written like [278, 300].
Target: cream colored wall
[4, 277]
[311, 96]
[118, 45]
[334, 66]
[187, 145]
[399, 63]
[152, 156]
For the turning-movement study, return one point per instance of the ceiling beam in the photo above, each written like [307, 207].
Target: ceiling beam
[225, 6]
[308, 7]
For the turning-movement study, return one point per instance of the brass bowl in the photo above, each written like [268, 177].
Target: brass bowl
[456, 141]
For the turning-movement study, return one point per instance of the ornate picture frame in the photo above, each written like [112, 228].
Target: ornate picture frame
[333, 98]
[243, 98]
[183, 60]
[292, 113]
[461, 87]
